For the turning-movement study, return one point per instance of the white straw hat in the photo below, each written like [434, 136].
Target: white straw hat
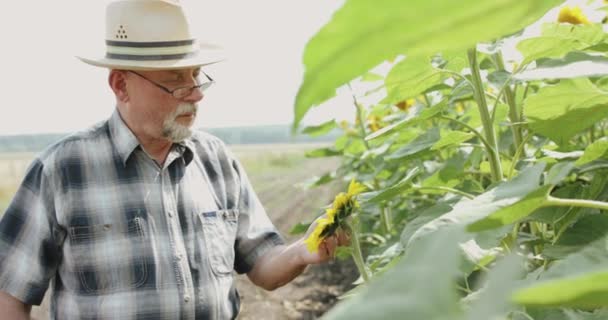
[151, 35]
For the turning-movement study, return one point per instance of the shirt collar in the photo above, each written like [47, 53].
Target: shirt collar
[126, 142]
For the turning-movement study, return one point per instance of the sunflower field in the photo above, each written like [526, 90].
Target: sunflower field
[477, 157]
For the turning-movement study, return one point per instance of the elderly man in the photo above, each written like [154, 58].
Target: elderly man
[141, 217]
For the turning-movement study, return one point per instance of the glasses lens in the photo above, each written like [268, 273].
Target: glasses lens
[204, 86]
[184, 92]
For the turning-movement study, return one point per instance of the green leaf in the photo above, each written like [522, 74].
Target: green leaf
[412, 119]
[343, 253]
[499, 78]
[420, 286]
[409, 78]
[452, 138]
[321, 129]
[468, 211]
[423, 218]
[558, 172]
[422, 143]
[594, 151]
[362, 34]
[300, 228]
[494, 299]
[562, 155]
[587, 229]
[449, 175]
[573, 65]
[514, 212]
[462, 91]
[579, 281]
[391, 192]
[558, 39]
[571, 105]
[323, 152]
[474, 119]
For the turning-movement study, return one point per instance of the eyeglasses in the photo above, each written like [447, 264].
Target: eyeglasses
[182, 92]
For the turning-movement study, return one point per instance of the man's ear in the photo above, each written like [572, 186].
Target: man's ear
[118, 84]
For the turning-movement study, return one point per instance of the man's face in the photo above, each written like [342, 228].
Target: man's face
[159, 113]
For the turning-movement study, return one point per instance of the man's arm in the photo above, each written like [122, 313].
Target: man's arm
[282, 263]
[13, 309]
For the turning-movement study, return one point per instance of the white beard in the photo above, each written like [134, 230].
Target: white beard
[175, 131]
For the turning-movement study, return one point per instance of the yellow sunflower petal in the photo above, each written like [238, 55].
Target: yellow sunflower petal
[572, 15]
[331, 214]
[314, 239]
[354, 188]
[340, 201]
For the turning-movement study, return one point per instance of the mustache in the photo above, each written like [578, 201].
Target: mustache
[184, 108]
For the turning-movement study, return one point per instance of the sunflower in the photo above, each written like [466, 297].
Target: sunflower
[374, 123]
[341, 208]
[314, 240]
[573, 15]
[405, 105]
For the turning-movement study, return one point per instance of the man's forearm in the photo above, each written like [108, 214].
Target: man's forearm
[278, 266]
[13, 309]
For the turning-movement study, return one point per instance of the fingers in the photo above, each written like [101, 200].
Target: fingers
[343, 239]
[328, 247]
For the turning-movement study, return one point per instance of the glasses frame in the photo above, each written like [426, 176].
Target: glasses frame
[186, 90]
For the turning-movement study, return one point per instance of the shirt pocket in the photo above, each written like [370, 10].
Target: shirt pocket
[109, 258]
[219, 233]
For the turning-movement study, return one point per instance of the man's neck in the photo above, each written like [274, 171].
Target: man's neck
[158, 149]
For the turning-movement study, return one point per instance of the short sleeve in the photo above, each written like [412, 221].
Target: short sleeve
[256, 234]
[29, 252]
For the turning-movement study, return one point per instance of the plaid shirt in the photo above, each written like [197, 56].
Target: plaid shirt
[120, 237]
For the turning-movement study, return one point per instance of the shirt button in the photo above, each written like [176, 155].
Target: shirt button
[179, 256]
[171, 214]
[186, 298]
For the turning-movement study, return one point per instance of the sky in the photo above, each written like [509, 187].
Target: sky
[46, 89]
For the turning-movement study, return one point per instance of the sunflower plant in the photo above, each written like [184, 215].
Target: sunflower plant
[340, 216]
[488, 197]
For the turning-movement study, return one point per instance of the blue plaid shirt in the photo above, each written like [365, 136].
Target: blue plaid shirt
[119, 237]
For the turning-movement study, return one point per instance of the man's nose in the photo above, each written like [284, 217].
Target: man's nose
[195, 96]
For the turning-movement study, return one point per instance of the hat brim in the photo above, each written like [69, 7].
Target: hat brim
[203, 58]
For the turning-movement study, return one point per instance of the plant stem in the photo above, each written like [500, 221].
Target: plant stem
[356, 246]
[552, 201]
[479, 135]
[385, 218]
[518, 153]
[510, 98]
[360, 117]
[488, 126]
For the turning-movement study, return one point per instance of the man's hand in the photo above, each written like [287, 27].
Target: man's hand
[327, 248]
[283, 263]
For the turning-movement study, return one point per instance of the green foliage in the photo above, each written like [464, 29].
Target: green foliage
[362, 34]
[407, 289]
[321, 129]
[571, 105]
[487, 196]
[560, 39]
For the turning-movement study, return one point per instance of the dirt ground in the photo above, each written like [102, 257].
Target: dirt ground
[317, 289]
